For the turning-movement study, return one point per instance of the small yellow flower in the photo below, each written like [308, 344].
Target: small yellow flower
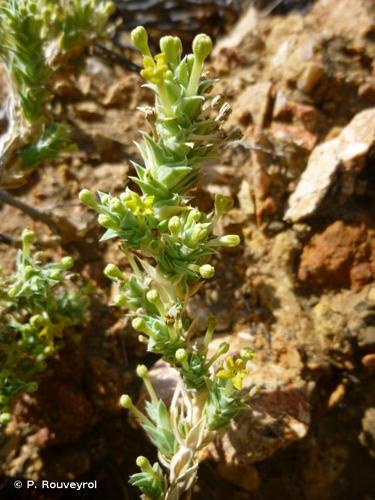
[139, 206]
[155, 69]
[233, 370]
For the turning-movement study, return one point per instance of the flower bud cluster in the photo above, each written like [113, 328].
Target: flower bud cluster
[184, 133]
[39, 306]
[178, 237]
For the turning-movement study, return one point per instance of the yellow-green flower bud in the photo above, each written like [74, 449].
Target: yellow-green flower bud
[230, 240]
[222, 349]
[115, 204]
[202, 46]
[174, 225]
[88, 198]
[28, 237]
[207, 271]
[126, 402]
[143, 463]
[4, 418]
[142, 371]
[152, 296]
[198, 234]
[67, 262]
[194, 216]
[113, 272]
[172, 48]
[138, 324]
[140, 40]
[181, 355]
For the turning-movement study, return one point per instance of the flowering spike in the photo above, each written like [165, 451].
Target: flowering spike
[169, 244]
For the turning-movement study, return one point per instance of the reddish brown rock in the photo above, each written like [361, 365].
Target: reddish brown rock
[286, 110]
[342, 256]
[368, 362]
[253, 104]
[278, 415]
[61, 413]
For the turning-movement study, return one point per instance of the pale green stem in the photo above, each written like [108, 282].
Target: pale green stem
[215, 357]
[140, 416]
[164, 99]
[194, 77]
[133, 263]
[150, 390]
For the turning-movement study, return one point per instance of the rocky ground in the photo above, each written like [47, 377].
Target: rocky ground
[300, 289]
